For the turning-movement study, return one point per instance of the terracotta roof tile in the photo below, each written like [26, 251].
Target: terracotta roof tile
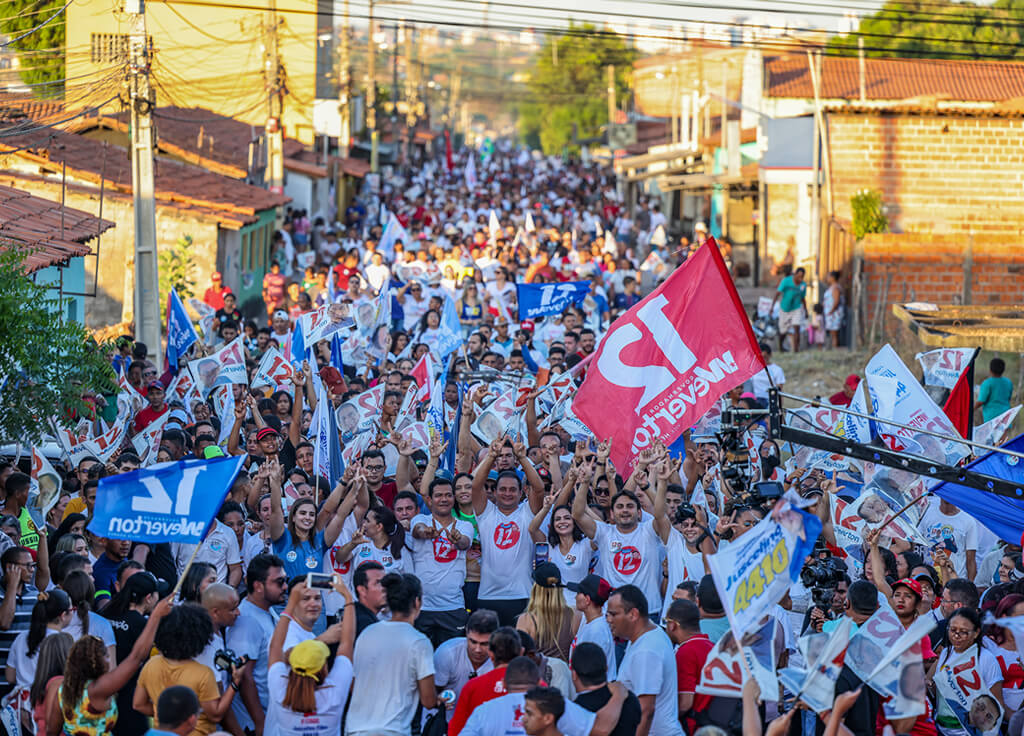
[39, 224]
[896, 79]
[233, 203]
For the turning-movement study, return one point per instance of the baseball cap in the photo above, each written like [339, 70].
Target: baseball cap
[852, 380]
[142, 583]
[547, 575]
[215, 276]
[594, 587]
[308, 658]
[527, 324]
[280, 314]
[266, 432]
[212, 451]
[913, 585]
[154, 386]
[700, 226]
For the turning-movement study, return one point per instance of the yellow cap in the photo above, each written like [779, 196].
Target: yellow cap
[308, 658]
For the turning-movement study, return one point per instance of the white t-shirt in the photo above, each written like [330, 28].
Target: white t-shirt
[682, 565]
[632, 558]
[649, 668]
[330, 703]
[250, 637]
[506, 553]
[956, 534]
[24, 665]
[220, 549]
[597, 632]
[254, 545]
[452, 668]
[390, 659]
[98, 626]
[296, 635]
[440, 565]
[503, 717]
[759, 383]
[367, 552]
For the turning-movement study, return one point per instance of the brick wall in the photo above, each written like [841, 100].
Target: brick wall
[937, 173]
[944, 269]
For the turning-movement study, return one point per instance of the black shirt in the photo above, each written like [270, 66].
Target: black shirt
[127, 629]
[364, 618]
[629, 719]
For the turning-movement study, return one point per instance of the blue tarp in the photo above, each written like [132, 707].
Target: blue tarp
[1003, 516]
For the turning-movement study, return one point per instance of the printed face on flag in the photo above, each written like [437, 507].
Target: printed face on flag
[224, 367]
[724, 672]
[273, 370]
[664, 363]
[495, 417]
[357, 415]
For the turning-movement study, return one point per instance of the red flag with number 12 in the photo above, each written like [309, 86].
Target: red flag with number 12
[667, 360]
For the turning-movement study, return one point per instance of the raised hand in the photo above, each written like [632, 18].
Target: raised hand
[603, 450]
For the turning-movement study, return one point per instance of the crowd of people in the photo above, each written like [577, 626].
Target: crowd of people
[498, 577]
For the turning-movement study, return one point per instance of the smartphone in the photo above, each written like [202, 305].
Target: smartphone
[541, 553]
[319, 580]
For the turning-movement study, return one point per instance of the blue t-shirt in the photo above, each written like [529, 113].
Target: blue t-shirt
[104, 574]
[300, 559]
[995, 396]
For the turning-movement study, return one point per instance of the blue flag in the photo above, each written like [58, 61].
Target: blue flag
[327, 461]
[1003, 516]
[180, 332]
[170, 501]
[540, 300]
[297, 345]
[336, 358]
[448, 459]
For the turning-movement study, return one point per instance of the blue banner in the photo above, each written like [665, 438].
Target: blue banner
[180, 332]
[168, 502]
[1003, 516]
[540, 300]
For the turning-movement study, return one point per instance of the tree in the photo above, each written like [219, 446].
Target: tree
[939, 29]
[568, 84]
[46, 363]
[43, 57]
[177, 270]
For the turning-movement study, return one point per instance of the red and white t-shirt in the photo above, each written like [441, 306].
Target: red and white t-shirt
[631, 558]
[440, 565]
[506, 553]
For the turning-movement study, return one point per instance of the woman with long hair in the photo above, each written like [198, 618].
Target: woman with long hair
[299, 543]
[1002, 644]
[282, 407]
[300, 683]
[74, 544]
[569, 548]
[381, 539]
[50, 614]
[71, 524]
[53, 654]
[198, 578]
[548, 619]
[469, 307]
[80, 588]
[964, 659]
[85, 703]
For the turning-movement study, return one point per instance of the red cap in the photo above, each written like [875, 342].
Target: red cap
[215, 276]
[527, 324]
[266, 432]
[915, 587]
[852, 380]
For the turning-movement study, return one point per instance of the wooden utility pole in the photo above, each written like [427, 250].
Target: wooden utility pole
[611, 94]
[345, 88]
[274, 131]
[371, 95]
[146, 308]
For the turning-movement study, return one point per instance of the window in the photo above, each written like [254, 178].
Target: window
[108, 48]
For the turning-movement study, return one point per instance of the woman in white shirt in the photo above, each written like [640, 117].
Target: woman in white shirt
[305, 697]
[49, 615]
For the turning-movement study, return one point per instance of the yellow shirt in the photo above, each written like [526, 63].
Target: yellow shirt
[75, 506]
[159, 673]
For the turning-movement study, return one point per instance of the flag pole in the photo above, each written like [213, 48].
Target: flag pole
[191, 559]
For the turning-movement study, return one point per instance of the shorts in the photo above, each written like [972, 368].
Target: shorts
[789, 321]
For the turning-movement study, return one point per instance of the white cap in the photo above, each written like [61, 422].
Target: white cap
[700, 227]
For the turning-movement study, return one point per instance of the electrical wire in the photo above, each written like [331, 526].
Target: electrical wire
[30, 31]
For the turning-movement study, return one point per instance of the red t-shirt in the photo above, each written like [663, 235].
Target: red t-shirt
[691, 657]
[839, 399]
[387, 492]
[148, 415]
[479, 690]
[342, 274]
[215, 297]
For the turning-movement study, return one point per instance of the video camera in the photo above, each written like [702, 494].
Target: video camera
[736, 468]
[227, 660]
[821, 576]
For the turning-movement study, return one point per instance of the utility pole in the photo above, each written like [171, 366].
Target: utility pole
[146, 309]
[274, 131]
[410, 93]
[611, 94]
[371, 95]
[345, 89]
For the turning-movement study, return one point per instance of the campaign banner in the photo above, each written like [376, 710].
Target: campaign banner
[101, 447]
[180, 333]
[900, 397]
[129, 400]
[993, 431]
[724, 672]
[888, 658]
[147, 442]
[756, 571]
[327, 461]
[358, 414]
[964, 700]
[46, 483]
[322, 323]
[222, 368]
[207, 319]
[664, 363]
[824, 654]
[159, 503]
[273, 370]
[944, 366]
[495, 417]
[541, 300]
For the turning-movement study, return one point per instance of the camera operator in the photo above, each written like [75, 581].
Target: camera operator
[828, 603]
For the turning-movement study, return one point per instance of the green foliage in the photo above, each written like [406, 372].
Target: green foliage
[568, 84]
[939, 28]
[43, 57]
[868, 216]
[46, 362]
[178, 271]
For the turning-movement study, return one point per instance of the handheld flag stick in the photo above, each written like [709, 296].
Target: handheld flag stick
[191, 559]
[903, 510]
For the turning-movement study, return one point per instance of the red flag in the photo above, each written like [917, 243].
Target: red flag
[448, 151]
[668, 359]
[423, 374]
[959, 406]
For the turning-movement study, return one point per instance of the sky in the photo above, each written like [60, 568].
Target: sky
[654, 18]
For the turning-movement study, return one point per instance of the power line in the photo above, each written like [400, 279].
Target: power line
[30, 31]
